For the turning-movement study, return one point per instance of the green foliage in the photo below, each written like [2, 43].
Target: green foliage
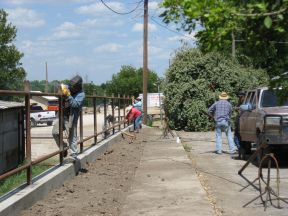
[12, 73]
[194, 82]
[259, 25]
[129, 81]
[20, 178]
[91, 89]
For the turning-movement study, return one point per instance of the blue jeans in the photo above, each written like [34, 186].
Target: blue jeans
[224, 126]
[72, 135]
[237, 140]
[138, 122]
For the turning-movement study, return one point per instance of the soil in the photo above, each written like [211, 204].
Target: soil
[100, 191]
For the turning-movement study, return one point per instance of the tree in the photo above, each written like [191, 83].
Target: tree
[194, 80]
[12, 74]
[129, 81]
[258, 27]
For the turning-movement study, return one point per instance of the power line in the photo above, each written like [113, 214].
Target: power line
[170, 29]
[121, 13]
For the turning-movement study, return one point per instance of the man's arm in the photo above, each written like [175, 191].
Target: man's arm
[212, 109]
[76, 102]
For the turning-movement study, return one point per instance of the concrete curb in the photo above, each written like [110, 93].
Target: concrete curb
[52, 178]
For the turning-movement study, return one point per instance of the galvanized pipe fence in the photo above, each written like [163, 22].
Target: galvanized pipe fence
[120, 102]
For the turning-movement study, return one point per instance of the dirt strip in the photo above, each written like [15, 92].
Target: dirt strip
[100, 191]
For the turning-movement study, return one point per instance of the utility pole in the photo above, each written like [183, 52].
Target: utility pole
[145, 60]
[46, 84]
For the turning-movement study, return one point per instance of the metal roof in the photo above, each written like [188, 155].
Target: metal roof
[9, 104]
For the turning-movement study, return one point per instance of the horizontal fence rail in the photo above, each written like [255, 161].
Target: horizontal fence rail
[117, 105]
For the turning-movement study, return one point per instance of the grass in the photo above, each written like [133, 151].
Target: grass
[20, 178]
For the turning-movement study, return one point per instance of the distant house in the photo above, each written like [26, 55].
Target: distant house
[46, 102]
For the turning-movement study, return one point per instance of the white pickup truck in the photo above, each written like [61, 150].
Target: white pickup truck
[40, 116]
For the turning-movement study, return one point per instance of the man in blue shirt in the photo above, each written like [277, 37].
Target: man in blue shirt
[222, 110]
[73, 102]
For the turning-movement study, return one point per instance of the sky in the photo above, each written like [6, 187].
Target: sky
[85, 37]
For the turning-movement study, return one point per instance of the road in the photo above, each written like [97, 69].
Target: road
[41, 147]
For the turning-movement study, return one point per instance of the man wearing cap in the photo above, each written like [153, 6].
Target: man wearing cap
[133, 114]
[73, 102]
[137, 103]
[222, 110]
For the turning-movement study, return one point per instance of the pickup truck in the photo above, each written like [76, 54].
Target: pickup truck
[264, 119]
[40, 116]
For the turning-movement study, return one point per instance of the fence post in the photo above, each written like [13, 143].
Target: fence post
[124, 102]
[61, 123]
[119, 105]
[105, 115]
[81, 131]
[28, 132]
[112, 107]
[95, 117]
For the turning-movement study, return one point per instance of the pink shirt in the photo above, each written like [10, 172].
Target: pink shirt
[133, 114]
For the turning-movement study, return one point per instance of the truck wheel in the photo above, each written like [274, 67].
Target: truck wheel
[49, 123]
[245, 148]
[33, 123]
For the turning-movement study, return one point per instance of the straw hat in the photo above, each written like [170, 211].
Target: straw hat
[223, 96]
[128, 109]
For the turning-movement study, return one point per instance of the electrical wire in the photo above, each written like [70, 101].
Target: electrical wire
[171, 29]
[121, 13]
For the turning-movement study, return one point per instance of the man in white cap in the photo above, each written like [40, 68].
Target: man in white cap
[221, 110]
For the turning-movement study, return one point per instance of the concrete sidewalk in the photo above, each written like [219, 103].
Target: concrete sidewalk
[165, 182]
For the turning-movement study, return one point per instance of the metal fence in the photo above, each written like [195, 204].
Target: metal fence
[117, 114]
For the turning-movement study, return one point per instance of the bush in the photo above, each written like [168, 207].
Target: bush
[194, 82]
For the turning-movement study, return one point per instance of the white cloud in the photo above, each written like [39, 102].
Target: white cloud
[65, 31]
[139, 27]
[23, 17]
[153, 5]
[39, 48]
[99, 8]
[21, 2]
[184, 37]
[108, 48]
[68, 30]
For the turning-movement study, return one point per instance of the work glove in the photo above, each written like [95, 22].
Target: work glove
[65, 90]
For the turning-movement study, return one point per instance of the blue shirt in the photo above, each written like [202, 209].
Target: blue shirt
[75, 104]
[221, 110]
[138, 105]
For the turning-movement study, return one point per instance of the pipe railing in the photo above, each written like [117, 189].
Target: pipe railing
[27, 94]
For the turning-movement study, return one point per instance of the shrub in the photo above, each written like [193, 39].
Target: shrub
[194, 82]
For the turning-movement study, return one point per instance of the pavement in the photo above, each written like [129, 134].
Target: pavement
[172, 181]
[165, 181]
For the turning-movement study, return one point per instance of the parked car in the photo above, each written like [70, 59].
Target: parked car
[40, 116]
[264, 119]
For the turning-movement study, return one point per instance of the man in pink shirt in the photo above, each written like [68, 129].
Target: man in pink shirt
[133, 114]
